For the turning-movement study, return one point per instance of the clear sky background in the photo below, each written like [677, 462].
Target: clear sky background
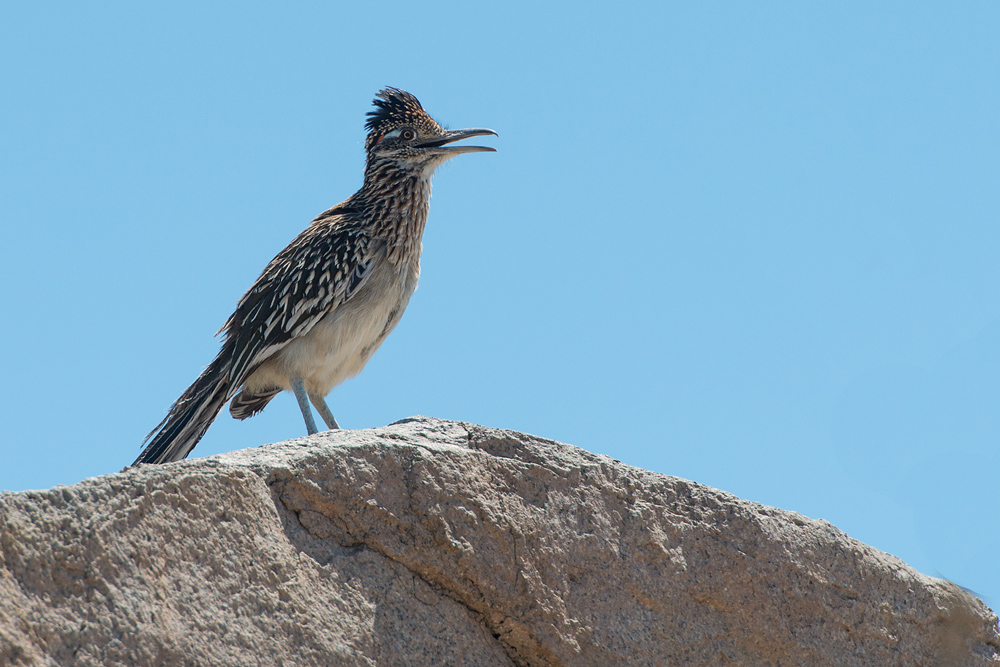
[753, 245]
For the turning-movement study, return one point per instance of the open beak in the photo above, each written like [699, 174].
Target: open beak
[457, 135]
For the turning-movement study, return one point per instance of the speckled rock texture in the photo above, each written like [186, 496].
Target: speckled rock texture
[430, 542]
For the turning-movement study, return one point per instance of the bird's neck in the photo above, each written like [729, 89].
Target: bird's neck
[398, 201]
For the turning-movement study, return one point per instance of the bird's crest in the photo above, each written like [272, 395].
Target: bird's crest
[394, 108]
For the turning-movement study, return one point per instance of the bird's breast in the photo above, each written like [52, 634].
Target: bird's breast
[341, 343]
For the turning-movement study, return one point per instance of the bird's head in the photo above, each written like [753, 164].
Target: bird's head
[400, 131]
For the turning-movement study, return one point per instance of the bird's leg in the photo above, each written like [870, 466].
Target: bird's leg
[300, 395]
[324, 411]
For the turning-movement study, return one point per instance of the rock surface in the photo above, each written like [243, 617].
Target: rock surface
[440, 543]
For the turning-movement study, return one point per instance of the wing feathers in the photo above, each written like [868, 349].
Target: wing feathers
[317, 272]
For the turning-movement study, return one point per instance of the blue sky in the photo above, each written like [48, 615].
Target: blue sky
[755, 246]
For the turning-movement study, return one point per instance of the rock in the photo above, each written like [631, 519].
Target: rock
[430, 542]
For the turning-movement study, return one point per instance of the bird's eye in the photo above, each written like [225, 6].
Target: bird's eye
[407, 134]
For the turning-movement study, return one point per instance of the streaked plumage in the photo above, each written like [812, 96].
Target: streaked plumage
[324, 305]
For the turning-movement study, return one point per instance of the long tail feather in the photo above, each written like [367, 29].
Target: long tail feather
[189, 417]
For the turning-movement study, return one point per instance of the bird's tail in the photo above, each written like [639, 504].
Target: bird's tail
[189, 417]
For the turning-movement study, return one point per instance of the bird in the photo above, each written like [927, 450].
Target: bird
[324, 304]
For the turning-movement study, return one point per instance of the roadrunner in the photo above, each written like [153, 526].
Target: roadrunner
[325, 304]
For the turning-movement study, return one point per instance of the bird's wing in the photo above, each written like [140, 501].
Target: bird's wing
[321, 269]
